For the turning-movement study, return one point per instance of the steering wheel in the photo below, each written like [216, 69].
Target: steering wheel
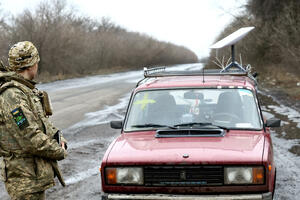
[224, 117]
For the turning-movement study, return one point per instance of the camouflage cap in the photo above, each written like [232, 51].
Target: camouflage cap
[22, 55]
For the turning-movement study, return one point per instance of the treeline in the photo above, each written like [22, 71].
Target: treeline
[274, 45]
[72, 44]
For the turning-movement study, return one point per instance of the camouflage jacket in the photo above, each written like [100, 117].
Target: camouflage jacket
[26, 137]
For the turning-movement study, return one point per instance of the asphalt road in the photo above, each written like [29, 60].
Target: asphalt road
[83, 107]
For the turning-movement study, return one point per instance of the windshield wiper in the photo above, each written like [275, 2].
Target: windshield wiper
[201, 124]
[193, 123]
[150, 125]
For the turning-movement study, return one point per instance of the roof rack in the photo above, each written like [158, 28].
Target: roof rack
[148, 72]
[161, 72]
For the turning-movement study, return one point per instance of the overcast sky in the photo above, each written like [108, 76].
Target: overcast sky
[192, 23]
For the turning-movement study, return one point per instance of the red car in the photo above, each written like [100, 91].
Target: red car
[192, 135]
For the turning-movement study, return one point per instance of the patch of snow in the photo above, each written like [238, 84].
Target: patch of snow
[267, 115]
[82, 175]
[292, 114]
[74, 145]
[109, 113]
[288, 169]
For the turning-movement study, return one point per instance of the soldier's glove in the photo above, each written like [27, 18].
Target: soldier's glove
[57, 138]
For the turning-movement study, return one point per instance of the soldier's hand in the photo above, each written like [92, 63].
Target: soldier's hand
[63, 145]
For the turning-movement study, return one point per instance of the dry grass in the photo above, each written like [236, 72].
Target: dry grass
[279, 78]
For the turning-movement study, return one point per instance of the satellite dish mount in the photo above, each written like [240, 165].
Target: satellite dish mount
[231, 40]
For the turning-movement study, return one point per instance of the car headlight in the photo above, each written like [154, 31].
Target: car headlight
[124, 175]
[244, 175]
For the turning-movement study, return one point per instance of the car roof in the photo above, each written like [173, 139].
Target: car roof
[216, 81]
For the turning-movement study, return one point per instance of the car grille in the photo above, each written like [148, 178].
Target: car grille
[183, 175]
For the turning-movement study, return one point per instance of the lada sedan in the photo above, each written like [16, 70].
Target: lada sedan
[192, 136]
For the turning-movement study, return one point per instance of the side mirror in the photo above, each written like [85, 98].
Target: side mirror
[116, 124]
[273, 122]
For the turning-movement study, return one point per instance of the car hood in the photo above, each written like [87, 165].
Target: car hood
[143, 148]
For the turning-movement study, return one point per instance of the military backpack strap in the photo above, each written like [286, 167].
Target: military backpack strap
[5, 86]
[10, 84]
[46, 103]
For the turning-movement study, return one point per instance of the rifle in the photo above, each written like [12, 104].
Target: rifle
[55, 164]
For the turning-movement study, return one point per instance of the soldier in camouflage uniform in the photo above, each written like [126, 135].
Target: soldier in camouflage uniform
[29, 143]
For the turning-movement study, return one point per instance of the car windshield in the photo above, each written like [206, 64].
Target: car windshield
[228, 108]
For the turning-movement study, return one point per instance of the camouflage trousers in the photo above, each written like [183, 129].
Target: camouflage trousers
[32, 196]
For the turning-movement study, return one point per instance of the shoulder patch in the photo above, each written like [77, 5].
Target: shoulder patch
[20, 118]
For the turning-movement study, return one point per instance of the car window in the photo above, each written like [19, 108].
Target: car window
[231, 108]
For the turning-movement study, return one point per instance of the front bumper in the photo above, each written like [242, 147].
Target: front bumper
[264, 196]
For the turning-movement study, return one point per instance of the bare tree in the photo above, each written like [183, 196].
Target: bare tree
[73, 45]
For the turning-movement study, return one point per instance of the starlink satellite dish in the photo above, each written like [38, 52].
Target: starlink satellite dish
[231, 40]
